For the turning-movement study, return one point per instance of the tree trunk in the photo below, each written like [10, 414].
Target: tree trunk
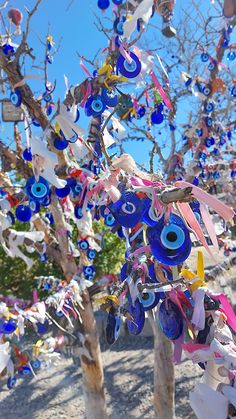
[164, 377]
[93, 378]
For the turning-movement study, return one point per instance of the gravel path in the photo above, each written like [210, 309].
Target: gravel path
[57, 392]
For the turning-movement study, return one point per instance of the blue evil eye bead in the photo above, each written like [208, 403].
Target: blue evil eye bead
[110, 220]
[42, 327]
[46, 202]
[170, 320]
[211, 65]
[47, 97]
[60, 143]
[135, 327]
[209, 142]
[49, 58]
[149, 299]
[209, 107]
[8, 49]
[59, 313]
[157, 117]
[204, 57]
[62, 192]
[113, 327]
[78, 212]
[50, 218]
[83, 244]
[77, 115]
[8, 327]
[216, 175]
[49, 109]
[37, 191]
[35, 364]
[118, 25]
[76, 190]
[208, 121]
[25, 370]
[34, 206]
[233, 174]
[16, 98]
[94, 106]
[91, 254]
[231, 56]
[10, 217]
[170, 244]
[195, 181]
[27, 155]
[233, 91]
[118, 2]
[23, 213]
[128, 210]
[103, 4]
[206, 90]
[129, 70]
[141, 112]
[216, 152]
[89, 271]
[35, 123]
[11, 382]
[109, 98]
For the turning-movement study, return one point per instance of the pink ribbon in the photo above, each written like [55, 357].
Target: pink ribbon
[161, 91]
[125, 54]
[85, 68]
[226, 309]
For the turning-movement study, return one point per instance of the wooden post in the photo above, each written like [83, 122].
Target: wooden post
[164, 376]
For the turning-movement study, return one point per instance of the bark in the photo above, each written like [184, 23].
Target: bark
[164, 376]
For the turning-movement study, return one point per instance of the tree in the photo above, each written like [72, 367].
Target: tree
[55, 179]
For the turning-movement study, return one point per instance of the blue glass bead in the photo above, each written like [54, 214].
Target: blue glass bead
[27, 155]
[23, 213]
[62, 192]
[103, 4]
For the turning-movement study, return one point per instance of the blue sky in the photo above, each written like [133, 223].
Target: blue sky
[78, 32]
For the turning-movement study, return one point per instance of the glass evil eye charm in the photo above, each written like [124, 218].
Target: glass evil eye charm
[37, 191]
[8, 327]
[23, 213]
[16, 98]
[27, 155]
[211, 65]
[103, 4]
[149, 299]
[118, 25]
[91, 254]
[170, 320]
[209, 142]
[206, 90]
[141, 112]
[113, 327]
[89, 272]
[60, 143]
[117, 2]
[62, 192]
[204, 57]
[157, 117]
[35, 364]
[135, 326]
[34, 206]
[233, 91]
[209, 107]
[129, 70]
[170, 243]
[94, 106]
[83, 244]
[231, 56]
[78, 212]
[128, 210]
[109, 97]
[42, 327]
[11, 382]
[208, 121]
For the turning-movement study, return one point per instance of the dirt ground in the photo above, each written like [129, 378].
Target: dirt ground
[128, 366]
